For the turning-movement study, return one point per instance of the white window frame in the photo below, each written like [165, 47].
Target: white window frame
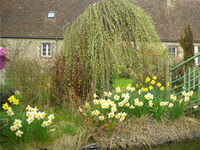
[46, 49]
[196, 51]
[170, 52]
[51, 15]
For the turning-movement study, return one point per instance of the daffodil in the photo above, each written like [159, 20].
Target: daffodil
[167, 84]
[113, 105]
[80, 109]
[147, 79]
[95, 101]
[16, 102]
[132, 89]
[28, 108]
[111, 115]
[87, 104]
[166, 103]
[162, 103]
[52, 130]
[139, 92]
[140, 103]
[121, 119]
[125, 101]
[162, 88]
[195, 107]
[113, 109]
[5, 106]
[95, 95]
[17, 121]
[105, 93]
[10, 113]
[131, 107]
[127, 97]
[30, 120]
[93, 113]
[18, 126]
[49, 122]
[128, 88]
[124, 114]
[136, 85]
[43, 115]
[9, 109]
[51, 117]
[150, 87]
[34, 114]
[11, 98]
[34, 109]
[116, 97]
[150, 103]
[109, 94]
[153, 82]
[180, 101]
[13, 128]
[158, 84]
[118, 115]
[105, 106]
[28, 114]
[136, 103]
[19, 133]
[187, 99]
[154, 77]
[117, 89]
[44, 124]
[136, 100]
[127, 104]
[170, 105]
[129, 85]
[101, 117]
[109, 101]
[121, 104]
[123, 95]
[39, 116]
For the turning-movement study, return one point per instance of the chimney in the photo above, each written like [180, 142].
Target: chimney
[169, 3]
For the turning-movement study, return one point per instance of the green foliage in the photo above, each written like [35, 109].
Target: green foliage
[186, 43]
[31, 79]
[98, 47]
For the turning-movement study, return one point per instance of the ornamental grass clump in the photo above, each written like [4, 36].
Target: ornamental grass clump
[116, 106]
[23, 126]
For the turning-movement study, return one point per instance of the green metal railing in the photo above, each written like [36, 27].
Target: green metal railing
[190, 80]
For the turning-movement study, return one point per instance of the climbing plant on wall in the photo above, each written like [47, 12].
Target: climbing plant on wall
[108, 39]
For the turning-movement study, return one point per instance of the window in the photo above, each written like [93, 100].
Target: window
[46, 50]
[172, 50]
[51, 15]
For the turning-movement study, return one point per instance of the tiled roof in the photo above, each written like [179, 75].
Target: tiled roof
[171, 22]
[27, 18]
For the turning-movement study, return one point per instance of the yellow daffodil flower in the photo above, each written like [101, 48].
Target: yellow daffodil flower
[158, 84]
[5, 106]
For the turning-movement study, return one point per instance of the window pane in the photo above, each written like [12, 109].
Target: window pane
[172, 50]
[44, 49]
[49, 50]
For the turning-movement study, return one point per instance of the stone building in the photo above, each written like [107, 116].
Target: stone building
[36, 28]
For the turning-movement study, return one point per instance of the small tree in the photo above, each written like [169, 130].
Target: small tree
[186, 43]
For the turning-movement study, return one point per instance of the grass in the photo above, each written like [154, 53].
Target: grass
[122, 83]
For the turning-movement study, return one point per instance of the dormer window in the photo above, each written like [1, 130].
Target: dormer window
[51, 14]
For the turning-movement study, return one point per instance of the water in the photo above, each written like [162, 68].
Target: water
[187, 145]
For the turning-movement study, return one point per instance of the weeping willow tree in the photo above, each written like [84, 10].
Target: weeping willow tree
[108, 39]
